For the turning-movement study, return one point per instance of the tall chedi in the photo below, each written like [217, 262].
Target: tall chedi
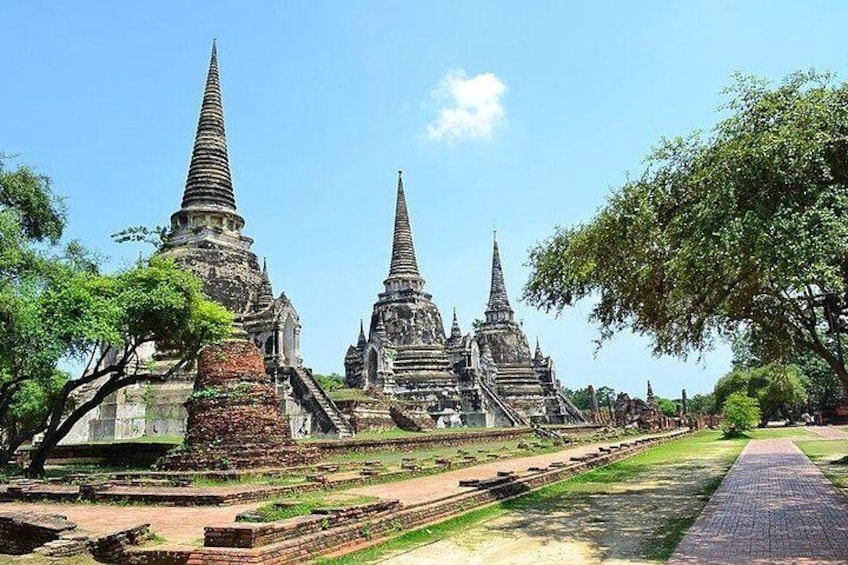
[206, 238]
[206, 231]
[518, 379]
[404, 354]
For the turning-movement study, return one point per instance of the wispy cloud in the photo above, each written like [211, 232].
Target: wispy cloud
[470, 108]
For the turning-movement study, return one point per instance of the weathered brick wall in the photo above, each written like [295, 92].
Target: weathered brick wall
[367, 416]
[22, 532]
[427, 441]
[261, 534]
[234, 419]
[113, 454]
[111, 548]
[276, 545]
[411, 420]
[356, 530]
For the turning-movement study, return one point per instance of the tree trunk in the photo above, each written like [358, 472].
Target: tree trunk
[59, 428]
[39, 456]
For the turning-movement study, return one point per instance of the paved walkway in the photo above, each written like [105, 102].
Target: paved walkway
[434, 487]
[775, 507]
[180, 525]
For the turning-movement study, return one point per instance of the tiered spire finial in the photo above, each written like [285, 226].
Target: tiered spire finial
[403, 251]
[498, 308]
[209, 184]
[539, 355]
[650, 393]
[266, 292]
[456, 331]
[361, 341]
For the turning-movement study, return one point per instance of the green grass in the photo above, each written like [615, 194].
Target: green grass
[781, 433]
[178, 440]
[351, 394]
[93, 469]
[828, 455]
[420, 536]
[241, 480]
[304, 506]
[823, 449]
[393, 458]
[703, 445]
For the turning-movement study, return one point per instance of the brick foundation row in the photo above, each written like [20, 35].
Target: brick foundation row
[274, 544]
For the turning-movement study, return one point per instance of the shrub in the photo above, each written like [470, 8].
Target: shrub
[741, 413]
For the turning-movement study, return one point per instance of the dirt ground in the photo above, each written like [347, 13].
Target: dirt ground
[609, 522]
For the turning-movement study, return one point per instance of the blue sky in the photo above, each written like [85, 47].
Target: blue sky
[516, 115]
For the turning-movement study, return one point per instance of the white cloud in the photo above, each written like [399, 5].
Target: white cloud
[470, 108]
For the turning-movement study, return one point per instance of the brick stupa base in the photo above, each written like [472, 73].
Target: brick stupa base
[234, 419]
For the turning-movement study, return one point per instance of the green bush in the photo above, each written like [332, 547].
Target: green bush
[741, 413]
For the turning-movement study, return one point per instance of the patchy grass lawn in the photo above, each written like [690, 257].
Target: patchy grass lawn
[393, 458]
[829, 456]
[635, 509]
[793, 432]
[304, 505]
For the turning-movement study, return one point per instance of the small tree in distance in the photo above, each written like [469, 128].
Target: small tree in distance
[741, 413]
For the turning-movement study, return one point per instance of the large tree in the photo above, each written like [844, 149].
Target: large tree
[780, 390]
[106, 320]
[32, 220]
[744, 227]
[54, 305]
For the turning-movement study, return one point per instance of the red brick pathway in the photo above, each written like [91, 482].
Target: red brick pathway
[434, 487]
[775, 507]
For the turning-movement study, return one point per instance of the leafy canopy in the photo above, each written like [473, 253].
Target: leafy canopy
[54, 304]
[741, 413]
[32, 220]
[744, 227]
[779, 389]
[157, 302]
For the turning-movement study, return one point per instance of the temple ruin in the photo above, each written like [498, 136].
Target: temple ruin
[485, 379]
[206, 238]
[488, 378]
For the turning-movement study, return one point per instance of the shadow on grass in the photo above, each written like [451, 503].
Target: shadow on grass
[636, 508]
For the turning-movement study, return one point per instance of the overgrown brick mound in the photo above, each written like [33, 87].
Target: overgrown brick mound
[234, 419]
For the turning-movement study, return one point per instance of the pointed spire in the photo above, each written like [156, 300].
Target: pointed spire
[498, 308]
[650, 397]
[539, 357]
[360, 343]
[209, 184]
[266, 293]
[456, 331]
[403, 251]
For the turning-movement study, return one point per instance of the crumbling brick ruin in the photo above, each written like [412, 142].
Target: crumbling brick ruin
[234, 419]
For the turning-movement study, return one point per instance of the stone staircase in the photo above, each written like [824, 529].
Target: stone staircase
[570, 410]
[318, 401]
[510, 412]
